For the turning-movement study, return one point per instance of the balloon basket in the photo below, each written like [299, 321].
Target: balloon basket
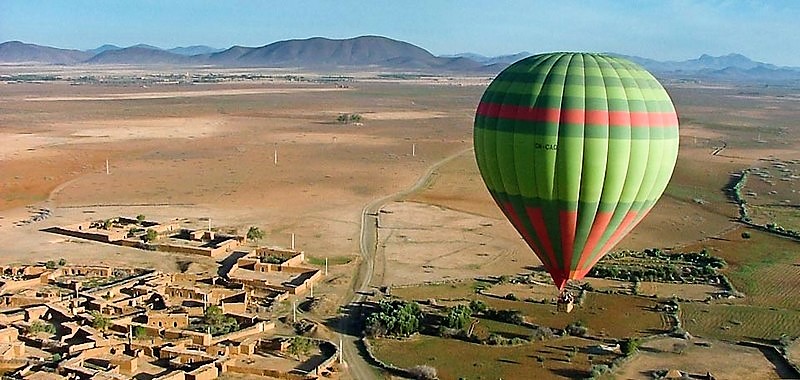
[564, 307]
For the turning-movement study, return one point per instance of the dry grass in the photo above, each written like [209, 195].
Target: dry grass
[608, 315]
[723, 360]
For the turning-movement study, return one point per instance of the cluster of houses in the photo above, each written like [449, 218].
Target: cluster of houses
[153, 236]
[97, 322]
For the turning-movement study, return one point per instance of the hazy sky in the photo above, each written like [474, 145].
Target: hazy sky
[766, 30]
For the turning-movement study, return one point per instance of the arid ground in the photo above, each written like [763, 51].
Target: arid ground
[208, 151]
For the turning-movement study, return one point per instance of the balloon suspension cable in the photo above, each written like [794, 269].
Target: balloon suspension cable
[565, 295]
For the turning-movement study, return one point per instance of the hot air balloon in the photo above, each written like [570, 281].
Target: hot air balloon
[575, 148]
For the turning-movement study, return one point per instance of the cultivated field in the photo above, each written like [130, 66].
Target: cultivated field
[723, 360]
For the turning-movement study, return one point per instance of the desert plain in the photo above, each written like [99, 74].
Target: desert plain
[269, 152]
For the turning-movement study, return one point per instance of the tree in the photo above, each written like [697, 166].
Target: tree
[355, 118]
[140, 218]
[107, 224]
[394, 318]
[629, 346]
[40, 326]
[342, 118]
[62, 261]
[151, 235]
[459, 317]
[100, 321]
[218, 323]
[50, 264]
[139, 332]
[300, 346]
[254, 233]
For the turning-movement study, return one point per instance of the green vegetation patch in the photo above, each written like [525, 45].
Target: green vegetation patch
[335, 260]
[788, 217]
[454, 290]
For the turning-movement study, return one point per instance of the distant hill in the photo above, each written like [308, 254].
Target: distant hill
[500, 59]
[194, 50]
[102, 48]
[19, 52]
[731, 67]
[138, 55]
[323, 52]
[374, 52]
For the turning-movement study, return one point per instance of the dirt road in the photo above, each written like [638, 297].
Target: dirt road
[349, 325]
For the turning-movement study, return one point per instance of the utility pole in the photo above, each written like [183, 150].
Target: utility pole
[107, 170]
[413, 150]
[292, 241]
[340, 349]
[294, 311]
[326, 266]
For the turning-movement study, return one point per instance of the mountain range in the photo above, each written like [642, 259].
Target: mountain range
[362, 52]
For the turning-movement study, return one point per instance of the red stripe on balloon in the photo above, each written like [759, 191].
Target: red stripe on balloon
[624, 227]
[579, 116]
[568, 221]
[599, 226]
[508, 209]
[537, 220]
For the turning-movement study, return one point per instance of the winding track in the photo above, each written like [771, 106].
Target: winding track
[350, 331]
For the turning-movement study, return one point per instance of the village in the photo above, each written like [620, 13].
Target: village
[60, 320]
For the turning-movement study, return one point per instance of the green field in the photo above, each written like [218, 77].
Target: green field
[610, 315]
[455, 359]
[763, 267]
[787, 217]
[739, 322]
[455, 290]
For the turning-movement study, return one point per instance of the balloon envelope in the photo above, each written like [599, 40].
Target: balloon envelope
[575, 148]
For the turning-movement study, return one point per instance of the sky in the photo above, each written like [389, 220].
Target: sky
[766, 31]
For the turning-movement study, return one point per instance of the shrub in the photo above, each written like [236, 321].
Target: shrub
[576, 329]
[300, 346]
[599, 370]
[40, 326]
[151, 235]
[100, 321]
[629, 346]
[423, 372]
[478, 306]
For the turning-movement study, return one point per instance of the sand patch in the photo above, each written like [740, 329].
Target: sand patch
[402, 115]
[14, 143]
[420, 242]
[162, 128]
